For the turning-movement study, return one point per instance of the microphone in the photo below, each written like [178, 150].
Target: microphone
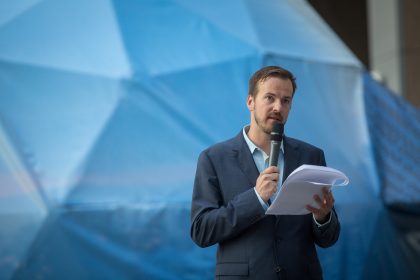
[276, 137]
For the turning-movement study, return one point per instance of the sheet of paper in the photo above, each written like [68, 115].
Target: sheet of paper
[317, 174]
[300, 187]
[293, 198]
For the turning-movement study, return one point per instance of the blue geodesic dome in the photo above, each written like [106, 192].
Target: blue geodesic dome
[105, 106]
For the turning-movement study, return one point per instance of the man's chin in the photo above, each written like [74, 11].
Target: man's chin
[267, 129]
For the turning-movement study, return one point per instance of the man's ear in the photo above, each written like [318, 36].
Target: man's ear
[250, 103]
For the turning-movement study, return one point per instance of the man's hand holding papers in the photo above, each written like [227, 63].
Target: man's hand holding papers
[325, 205]
[308, 189]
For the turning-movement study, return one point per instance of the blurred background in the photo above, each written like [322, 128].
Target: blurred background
[105, 106]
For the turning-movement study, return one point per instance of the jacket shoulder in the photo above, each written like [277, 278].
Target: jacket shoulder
[221, 148]
[302, 145]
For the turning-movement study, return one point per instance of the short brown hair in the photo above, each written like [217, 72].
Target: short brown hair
[266, 72]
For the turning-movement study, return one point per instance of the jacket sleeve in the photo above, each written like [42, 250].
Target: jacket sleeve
[326, 235]
[212, 219]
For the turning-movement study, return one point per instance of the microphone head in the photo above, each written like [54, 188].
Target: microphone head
[277, 132]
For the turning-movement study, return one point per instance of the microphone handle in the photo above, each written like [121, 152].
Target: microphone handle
[274, 153]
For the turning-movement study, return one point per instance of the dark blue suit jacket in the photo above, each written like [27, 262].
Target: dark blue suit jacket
[252, 245]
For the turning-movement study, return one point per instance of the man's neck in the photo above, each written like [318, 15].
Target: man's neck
[259, 138]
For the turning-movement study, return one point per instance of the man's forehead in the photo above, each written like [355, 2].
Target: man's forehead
[271, 80]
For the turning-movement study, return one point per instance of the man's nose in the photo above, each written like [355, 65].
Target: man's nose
[277, 106]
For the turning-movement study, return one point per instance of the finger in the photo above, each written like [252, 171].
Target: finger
[274, 189]
[318, 213]
[274, 176]
[326, 195]
[326, 192]
[330, 199]
[271, 169]
[313, 210]
[269, 185]
[271, 177]
[319, 201]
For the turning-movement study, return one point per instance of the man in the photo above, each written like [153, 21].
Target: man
[233, 187]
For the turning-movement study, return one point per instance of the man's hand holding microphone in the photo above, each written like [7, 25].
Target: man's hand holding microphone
[268, 180]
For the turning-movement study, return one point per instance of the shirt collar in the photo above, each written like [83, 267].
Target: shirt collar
[252, 147]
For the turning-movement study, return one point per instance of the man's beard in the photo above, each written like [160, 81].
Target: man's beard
[260, 122]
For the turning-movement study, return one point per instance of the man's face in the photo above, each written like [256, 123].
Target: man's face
[271, 103]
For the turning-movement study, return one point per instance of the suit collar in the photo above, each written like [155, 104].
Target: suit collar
[252, 147]
[247, 164]
[245, 159]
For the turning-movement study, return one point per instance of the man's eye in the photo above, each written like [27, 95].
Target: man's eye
[269, 98]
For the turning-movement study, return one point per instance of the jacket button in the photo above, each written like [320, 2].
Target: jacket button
[278, 269]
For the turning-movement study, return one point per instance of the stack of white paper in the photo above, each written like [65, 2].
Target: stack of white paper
[300, 187]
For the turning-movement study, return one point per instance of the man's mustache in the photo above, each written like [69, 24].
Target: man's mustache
[276, 116]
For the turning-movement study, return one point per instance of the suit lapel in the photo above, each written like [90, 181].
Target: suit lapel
[291, 157]
[245, 159]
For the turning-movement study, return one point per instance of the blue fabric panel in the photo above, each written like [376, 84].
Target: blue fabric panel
[394, 126]
[105, 106]
[131, 242]
[394, 251]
